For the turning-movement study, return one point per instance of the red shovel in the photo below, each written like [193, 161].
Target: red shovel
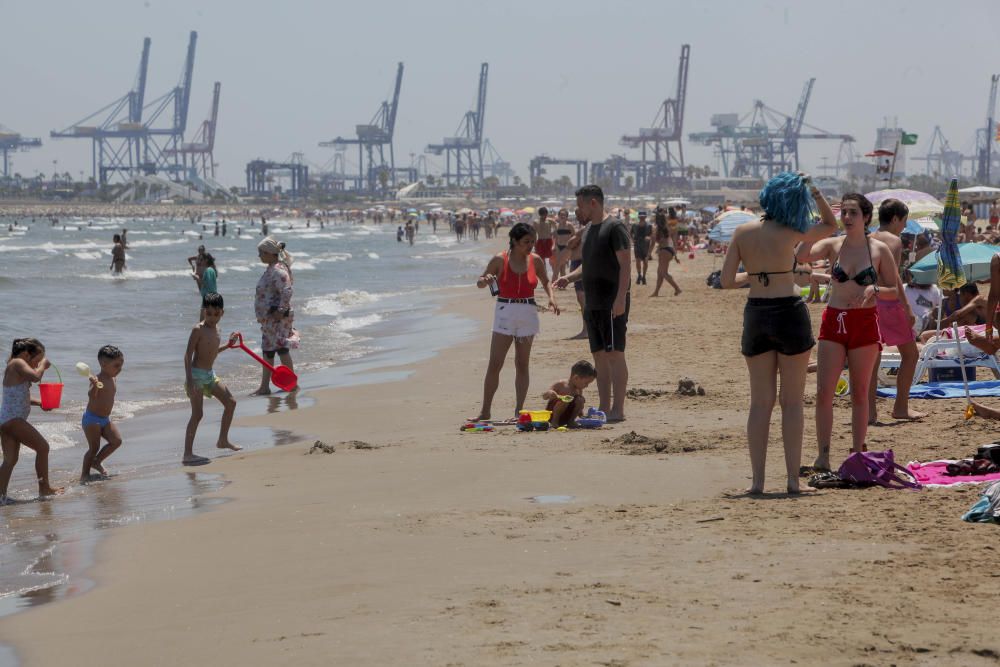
[281, 376]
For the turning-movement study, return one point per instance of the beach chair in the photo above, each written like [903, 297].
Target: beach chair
[941, 353]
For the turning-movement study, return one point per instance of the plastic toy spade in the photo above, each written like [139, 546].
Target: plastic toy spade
[281, 376]
[84, 370]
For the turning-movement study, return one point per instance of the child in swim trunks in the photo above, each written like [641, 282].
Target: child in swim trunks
[565, 412]
[96, 420]
[202, 349]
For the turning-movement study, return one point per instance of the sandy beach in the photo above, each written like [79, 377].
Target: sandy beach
[421, 546]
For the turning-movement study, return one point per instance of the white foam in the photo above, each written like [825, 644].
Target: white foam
[337, 303]
[155, 244]
[373, 255]
[140, 274]
[352, 323]
[52, 248]
[60, 435]
[89, 255]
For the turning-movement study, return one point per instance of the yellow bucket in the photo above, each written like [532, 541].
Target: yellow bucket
[538, 415]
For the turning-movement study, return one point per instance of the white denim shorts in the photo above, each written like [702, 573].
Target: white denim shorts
[519, 320]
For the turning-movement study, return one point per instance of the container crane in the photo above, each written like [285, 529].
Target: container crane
[372, 139]
[466, 148]
[661, 167]
[984, 137]
[10, 142]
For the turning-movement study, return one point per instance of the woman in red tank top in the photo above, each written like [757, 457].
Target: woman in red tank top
[512, 276]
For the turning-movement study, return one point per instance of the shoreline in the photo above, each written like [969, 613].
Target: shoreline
[427, 548]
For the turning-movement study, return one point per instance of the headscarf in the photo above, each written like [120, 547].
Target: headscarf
[272, 247]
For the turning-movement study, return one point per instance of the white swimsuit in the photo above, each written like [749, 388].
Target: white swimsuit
[16, 402]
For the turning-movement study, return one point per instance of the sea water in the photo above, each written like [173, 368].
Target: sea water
[362, 301]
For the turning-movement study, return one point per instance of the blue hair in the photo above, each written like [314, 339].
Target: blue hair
[786, 200]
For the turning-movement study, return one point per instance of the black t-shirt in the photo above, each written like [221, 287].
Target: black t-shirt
[600, 264]
[641, 234]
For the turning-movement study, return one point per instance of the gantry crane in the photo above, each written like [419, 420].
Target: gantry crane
[662, 167]
[198, 154]
[536, 168]
[984, 137]
[372, 139]
[466, 148]
[764, 141]
[124, 144]
[941, 160]
[495, 165]
[11, 141]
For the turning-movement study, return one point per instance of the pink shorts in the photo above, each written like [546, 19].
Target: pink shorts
[893, 324]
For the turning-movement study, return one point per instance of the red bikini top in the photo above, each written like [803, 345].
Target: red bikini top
[517, 285]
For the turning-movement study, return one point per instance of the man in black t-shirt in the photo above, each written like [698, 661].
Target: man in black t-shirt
[606, 274]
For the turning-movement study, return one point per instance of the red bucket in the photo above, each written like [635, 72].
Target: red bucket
[51, 394]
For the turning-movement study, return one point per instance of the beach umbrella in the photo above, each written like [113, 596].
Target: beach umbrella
[975, 263]
[920, 204]
[979, 190]
[950, 275]
[727, 223]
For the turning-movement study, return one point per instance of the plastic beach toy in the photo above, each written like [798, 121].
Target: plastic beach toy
[593, 419]
[281, 376]
[84, 370]
[478, 427]
[51, 392]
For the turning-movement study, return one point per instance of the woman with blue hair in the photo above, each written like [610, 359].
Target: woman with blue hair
[777, 332]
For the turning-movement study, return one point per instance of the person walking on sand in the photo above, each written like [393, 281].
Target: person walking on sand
[641, 234]
[665, 239]
[777, 333]
[849, 330]
[512, 276]
[895, 318]
[273, 308]
[545, 243]
[607, 273]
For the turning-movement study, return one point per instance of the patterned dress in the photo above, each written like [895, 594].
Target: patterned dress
[274, 290]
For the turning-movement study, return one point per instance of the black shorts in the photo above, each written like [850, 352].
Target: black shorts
[781, 325]
[641, 250]
[607, 333]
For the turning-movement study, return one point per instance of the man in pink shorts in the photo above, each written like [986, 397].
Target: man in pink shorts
[895, 319]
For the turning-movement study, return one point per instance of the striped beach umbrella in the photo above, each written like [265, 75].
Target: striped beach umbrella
[950, 274]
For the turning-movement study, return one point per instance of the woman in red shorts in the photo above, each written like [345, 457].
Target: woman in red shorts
[849, 330]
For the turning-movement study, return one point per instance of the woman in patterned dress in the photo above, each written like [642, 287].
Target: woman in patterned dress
[273, 308]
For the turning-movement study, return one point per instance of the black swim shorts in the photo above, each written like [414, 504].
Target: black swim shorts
[607, 333]
[573, 265]
[781, 325]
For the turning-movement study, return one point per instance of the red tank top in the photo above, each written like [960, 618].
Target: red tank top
[517, 285]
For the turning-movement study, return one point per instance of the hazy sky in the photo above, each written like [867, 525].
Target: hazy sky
[566, 78]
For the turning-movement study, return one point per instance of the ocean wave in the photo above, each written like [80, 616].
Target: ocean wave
[373, 255]
[241, 269]
[53, 248]
[140, 274]
[59, 435]
[93, 254]
[337, 303]
[352, 323]
[128, 409]
[156, 244]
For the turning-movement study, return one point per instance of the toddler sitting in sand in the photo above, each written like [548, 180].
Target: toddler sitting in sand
[201, 381]
[565, 397]
[96, 420]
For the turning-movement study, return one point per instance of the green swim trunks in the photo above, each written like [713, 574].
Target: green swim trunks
[205, 379]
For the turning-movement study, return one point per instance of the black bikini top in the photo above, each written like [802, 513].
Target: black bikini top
[866, 277]
[764, 277]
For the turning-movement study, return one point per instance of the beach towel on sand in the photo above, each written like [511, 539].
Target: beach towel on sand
[987, 508]
[946, 390]
[935, 473]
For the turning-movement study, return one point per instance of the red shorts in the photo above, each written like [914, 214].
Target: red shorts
[852, 328]
[543, 248]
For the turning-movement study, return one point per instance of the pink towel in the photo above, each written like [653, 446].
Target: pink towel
[935, 473]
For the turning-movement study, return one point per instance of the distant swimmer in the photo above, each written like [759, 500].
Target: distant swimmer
[118, 256]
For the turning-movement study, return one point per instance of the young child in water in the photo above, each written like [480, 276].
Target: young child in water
[200, 380]
[26, 365]
[97, 417]
[565, 412]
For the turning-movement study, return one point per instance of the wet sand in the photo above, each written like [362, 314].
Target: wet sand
[424, 548]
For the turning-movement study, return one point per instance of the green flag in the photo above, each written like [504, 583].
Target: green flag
[907, 139]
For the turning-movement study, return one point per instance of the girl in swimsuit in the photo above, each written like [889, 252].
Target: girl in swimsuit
[849, 331]
[666, 242]
[777, 333]
[26, 366]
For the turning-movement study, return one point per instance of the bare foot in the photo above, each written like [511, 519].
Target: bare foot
[100, 469]
[483, 417]
[194, 460]
[980, 341]
[910, 415]
[655, 294]
[754, 491]
[614, 419]
[821, 464]
[579, 336]
[228, 445]
[262, 392]
[677, 291]
[46, 490]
